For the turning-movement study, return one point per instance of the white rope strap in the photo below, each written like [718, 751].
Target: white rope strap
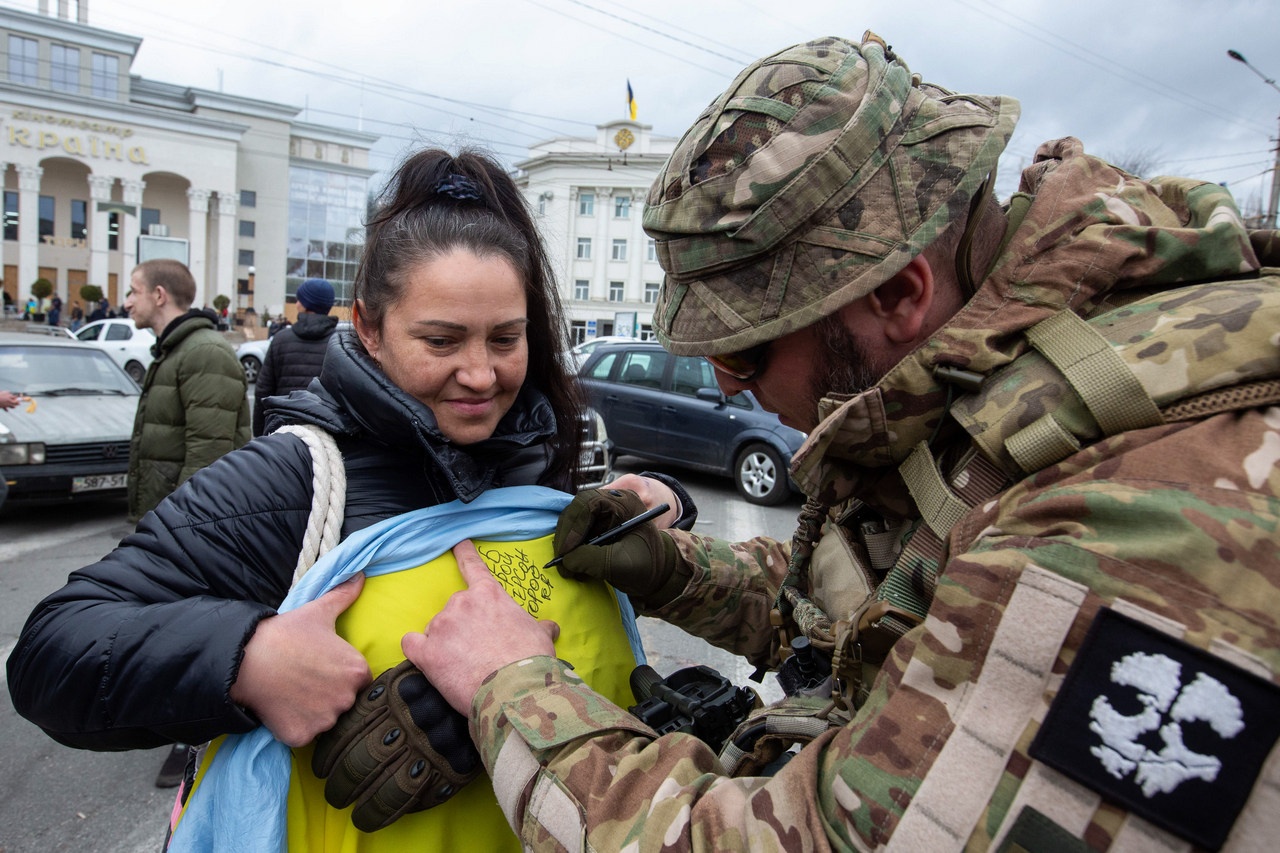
[328, 495]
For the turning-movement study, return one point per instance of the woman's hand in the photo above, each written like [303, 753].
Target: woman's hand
[297, 674]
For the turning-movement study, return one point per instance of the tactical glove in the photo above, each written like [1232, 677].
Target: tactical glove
[644, 564]
[400, 749]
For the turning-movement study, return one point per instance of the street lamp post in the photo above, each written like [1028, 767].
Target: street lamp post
[1275, 170]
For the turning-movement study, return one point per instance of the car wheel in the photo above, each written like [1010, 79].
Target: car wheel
[760, 476]
[136, 371]
[251, 366]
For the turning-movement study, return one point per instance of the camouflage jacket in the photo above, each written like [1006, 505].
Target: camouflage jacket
[1098, 662]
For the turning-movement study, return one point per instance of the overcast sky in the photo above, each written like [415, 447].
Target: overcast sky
[1148, 81]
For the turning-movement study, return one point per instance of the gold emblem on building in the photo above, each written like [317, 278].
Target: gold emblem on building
[623, 139]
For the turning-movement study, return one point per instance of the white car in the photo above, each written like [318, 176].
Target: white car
[69, 436]
[582, 350]
[128, 346]
[251, 355]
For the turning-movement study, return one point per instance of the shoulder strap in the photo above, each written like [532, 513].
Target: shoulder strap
[328, 495]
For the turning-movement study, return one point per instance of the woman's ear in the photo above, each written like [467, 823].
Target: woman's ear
[902, 303]
[369, 336]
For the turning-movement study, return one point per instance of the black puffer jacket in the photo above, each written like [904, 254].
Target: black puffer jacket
[141, 648]
[292, 361]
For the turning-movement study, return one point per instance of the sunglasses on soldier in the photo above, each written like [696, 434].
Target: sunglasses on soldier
[744, 365]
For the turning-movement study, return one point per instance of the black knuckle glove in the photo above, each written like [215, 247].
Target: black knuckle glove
[589, 514]
[645, 564]
[399, 749]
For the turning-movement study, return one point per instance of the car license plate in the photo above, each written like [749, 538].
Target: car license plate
[96, 482]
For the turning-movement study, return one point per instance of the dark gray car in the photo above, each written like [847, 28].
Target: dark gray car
[668, 408]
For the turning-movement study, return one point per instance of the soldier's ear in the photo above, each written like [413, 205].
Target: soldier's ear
[902, 303]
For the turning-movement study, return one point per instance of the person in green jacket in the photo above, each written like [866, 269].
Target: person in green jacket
[194, 406]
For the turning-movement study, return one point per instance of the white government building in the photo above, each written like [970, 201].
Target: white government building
[93, 157]
[589, 197]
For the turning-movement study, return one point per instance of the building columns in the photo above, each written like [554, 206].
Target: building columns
[28, 226]
[224, 274]
[637, 246]
[600, 260]
[198, 228]
[130, 225]
[99, 239]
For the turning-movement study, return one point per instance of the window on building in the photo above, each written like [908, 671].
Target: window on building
[64, 68]
[582, 290]
[46, 216]
[325, 231]
[246, 258]
[619, 250]
[577, 332]
[248, 198]
[150, 216]
[23, 60]
[650, 292]
[622, 206]
[651, 253]
[79, 218]
[10, 215]
[542, 205]
[646, 333]
[586, 204]
[584, 248]
[247, 228]
[615, 291]
[113, 231]
[106, 76]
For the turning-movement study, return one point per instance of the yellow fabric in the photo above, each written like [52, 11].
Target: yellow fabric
[592, 638]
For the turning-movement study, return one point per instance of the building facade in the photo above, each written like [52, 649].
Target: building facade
[94, 157]
[589, 197]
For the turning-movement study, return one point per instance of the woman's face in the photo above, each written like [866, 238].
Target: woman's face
[456, 341]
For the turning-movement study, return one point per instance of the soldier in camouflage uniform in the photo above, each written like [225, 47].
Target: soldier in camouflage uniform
[1041, 543]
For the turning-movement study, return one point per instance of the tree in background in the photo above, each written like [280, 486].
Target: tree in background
[91, 294]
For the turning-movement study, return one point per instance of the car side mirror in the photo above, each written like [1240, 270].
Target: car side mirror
[711, 395]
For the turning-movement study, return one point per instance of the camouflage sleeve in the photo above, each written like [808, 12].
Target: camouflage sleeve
[552, 746]
[732, 590]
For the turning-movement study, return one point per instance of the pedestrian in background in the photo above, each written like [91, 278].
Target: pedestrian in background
[297, 351]
[77, 316]
[55, 311]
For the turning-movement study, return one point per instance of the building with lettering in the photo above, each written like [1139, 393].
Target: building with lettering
[95, 158]
[588, 194]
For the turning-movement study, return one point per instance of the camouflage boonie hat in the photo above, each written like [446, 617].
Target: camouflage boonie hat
[821, 171]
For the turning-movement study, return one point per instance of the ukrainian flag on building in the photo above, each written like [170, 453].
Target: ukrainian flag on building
[631, 101]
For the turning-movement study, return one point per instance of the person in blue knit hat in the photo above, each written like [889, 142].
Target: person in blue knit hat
[297, 351]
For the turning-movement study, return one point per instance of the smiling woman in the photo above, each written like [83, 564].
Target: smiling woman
[446, 394]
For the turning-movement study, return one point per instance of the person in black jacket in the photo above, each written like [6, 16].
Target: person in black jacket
[297, 351]
[449, 384]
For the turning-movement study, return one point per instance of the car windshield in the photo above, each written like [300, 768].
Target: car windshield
[52, 371]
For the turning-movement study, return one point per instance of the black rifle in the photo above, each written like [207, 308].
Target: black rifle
[696, 700]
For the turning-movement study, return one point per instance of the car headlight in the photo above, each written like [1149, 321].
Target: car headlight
[21, 454]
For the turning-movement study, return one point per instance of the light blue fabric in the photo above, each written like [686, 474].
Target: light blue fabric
[241, 801]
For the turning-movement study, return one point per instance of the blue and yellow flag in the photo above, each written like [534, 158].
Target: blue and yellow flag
[631, 101]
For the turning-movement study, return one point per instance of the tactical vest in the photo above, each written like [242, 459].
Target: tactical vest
[857, 584]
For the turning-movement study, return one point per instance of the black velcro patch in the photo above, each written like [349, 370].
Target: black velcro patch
[1172, 733]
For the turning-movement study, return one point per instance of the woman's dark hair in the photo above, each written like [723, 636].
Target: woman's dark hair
[438, 202]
